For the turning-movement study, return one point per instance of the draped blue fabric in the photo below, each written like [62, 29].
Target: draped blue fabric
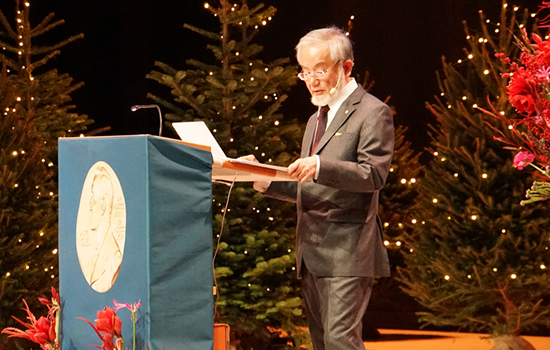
[167, 258]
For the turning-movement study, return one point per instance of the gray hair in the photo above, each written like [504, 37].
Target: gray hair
[338, 43]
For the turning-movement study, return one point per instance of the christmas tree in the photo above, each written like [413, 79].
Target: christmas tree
[478, 260]
[397, 204]
[237, 95]
[43, 92]
[35, 105]
[28, 218]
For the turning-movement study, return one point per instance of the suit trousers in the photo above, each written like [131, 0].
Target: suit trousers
[334, 308]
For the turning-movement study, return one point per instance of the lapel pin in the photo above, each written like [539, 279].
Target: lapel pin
[346, 111]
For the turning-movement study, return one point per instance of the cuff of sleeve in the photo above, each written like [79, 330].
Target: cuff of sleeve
[318, 166]
[261, 186]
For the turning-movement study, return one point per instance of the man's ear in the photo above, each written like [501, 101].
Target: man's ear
[347, 65]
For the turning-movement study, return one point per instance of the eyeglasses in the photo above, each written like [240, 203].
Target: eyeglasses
[320, 74]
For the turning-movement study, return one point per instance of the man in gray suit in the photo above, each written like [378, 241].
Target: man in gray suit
[346, 155]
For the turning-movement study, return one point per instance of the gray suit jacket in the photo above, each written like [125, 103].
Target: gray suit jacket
[339, 232]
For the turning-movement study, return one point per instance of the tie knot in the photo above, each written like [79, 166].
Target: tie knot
[324, 109]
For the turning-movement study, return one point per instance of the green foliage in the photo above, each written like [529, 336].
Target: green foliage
[397, 204]
[238, 95]
[42, 93]
[478, 259]
[35, 111]
[28, 218]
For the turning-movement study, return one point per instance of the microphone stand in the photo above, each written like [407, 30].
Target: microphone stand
[136, 107]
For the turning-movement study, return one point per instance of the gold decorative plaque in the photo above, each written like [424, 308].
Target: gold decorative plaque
[101, 227]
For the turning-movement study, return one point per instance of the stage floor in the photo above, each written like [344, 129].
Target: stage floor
[398, 339]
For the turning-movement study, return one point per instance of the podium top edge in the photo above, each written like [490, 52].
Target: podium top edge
[140, 136]
[118, 136]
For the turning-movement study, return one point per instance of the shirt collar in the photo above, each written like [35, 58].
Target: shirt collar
[346, 91]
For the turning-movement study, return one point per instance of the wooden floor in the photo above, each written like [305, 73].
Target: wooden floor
[398, 339]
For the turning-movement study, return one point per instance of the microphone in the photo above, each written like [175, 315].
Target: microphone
[136, 107]
[335, 88]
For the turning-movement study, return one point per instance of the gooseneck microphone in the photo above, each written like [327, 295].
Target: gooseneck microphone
[136, 107]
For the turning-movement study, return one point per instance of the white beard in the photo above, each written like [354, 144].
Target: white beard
[325, 99]
[321, 100]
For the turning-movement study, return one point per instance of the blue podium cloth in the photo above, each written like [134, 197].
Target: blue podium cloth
[165, 240]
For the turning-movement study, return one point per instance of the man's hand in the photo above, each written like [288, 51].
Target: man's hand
[260, 186]
[303, 169]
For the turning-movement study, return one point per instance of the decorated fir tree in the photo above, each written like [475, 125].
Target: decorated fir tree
[35, 107]
[237, 95]
[43, 93]
[397, 204]
[477, 260]
[28, 217]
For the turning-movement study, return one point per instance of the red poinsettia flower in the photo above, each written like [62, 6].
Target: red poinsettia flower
[108, 322]
[522, 159]
[521, 89]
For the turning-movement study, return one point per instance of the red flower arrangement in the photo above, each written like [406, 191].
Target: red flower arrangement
[108, 328]
[529, 92]
[43, 331]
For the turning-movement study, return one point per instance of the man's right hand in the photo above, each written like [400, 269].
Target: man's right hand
[260, 186]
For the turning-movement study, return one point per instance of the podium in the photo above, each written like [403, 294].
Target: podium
[135, 223]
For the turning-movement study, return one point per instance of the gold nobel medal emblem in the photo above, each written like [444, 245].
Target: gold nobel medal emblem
[101, 227]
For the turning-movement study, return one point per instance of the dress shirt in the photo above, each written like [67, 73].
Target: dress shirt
[334, 105]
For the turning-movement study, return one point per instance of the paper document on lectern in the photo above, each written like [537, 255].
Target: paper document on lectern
[228, 169]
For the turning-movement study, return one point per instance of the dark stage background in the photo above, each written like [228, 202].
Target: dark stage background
[400, 42]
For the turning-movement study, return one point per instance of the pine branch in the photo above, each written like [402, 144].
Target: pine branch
[7, 25]
[42, 50]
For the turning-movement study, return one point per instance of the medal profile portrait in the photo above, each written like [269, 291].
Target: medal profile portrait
[101, 227]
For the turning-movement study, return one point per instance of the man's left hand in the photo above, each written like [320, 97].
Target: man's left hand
[303, 169]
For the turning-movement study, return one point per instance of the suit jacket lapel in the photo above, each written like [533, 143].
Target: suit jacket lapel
[346, 109]
[309, 133]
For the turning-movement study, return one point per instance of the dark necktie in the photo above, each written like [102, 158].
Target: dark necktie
[321, 126]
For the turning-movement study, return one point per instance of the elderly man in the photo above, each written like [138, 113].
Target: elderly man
[346, 153]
